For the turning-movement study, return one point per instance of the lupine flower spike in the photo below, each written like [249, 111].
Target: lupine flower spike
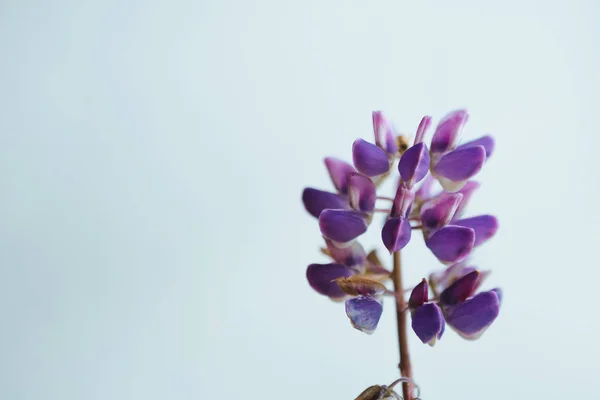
[449, 296]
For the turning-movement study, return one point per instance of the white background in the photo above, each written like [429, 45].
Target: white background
[153, 244]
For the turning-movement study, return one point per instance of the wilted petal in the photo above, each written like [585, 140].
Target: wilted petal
[471, 318]
[422, 129]
[375, 392]
[342, 225]
[451, 243]
[461, 289]
[428, 323]
[419, 295]
[369, 159]
[361, 286]
[322, 278]
[361, 192]
[396, 233]
[403, 201]
[438, 211]
[364, 313]
[455, 168]
[338, 171]
[350, 256]
[485, 226]
[316, 200]
[414, 164]
[447, 132]
[486, 141]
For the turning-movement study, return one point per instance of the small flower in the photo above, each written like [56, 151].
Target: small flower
[468, 314]
[427, 318]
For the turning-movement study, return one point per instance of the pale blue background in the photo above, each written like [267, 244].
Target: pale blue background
[152, 155]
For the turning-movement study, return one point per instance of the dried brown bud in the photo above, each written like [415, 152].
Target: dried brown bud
[359, 285]
[403, 142]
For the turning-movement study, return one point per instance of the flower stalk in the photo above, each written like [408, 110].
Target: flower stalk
[404, 365]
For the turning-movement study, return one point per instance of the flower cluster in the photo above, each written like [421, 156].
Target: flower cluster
[449, 296]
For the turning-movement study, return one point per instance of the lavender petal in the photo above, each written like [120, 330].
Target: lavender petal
[428, 323]
[342, 226]
[451, 243]
[439, 211]
[461, 289]
[471, 318]
[351, 256]
[396, 233]
[447, 132]
[322, 278]
[485, 226]
[486, 141]
[315, 201]
[414, 164]
[338, 171]
[456, 167]
[361, 192]
[369, 159]
[364, 313]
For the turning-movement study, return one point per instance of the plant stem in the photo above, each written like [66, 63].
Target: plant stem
[405, 367]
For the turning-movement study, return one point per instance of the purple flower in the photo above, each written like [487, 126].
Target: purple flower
[427, 318]
[432, 192]
[467, 313]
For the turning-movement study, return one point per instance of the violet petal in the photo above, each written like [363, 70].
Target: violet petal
[350, 256]
[396, 233]
[403, 201]
[485, 226]
[322, 278]
[438, 211]
[455, 168]
[361, 192]
[451, 243]
[428, 323]
[471, 318]
[364, 313]
[315, 201]
[486, 141]
[342, 225]
[422, 129]
[338, 171]
[414, 164]
[467, 191]
[369, 159]
[447, 132]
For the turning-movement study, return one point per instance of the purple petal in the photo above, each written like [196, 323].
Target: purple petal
[369, 159]
[381, 126]
[316, 200]
[322, 278]
[471, 318]
[455, 168]
[361, 192]
[451, 243]
[390, 142]
[422, 129]
[467, 191]
[361, 286]
[486, 141]
[364, 313]
[350, 256]
[485, 226]
[396, 234]
[438, 211]
[403, 201]
[419, 295]
[461, 289]
[447, 132]
[342, 225]
[338, 171]
[428, 323]
[414, 164]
